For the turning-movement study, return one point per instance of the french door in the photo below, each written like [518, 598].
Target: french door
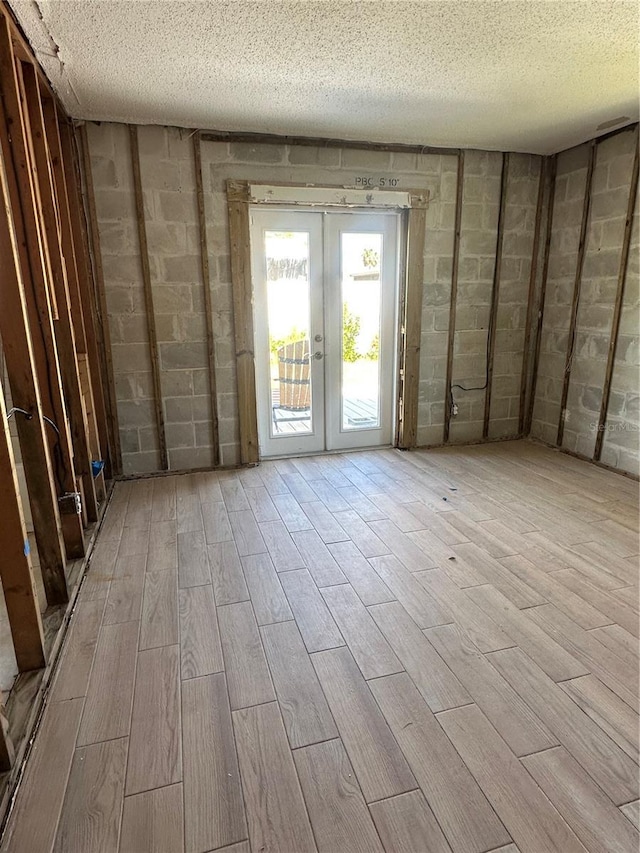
[324, 302]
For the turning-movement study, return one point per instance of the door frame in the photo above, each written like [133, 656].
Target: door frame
[413, 203]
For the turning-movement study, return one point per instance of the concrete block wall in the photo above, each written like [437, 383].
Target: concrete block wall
[622, 428]
[605, 232]
[169, 188]
[168, 176]
[124, 292]
[437, 173]
[571, 176]
[513, 295]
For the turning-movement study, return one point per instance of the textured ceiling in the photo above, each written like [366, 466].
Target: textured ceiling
[520, 75]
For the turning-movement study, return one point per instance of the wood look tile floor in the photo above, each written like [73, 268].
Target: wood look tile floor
[374, 651]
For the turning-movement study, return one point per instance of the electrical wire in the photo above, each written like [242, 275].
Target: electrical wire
[51, 423]
[15, 409]
[452, 401]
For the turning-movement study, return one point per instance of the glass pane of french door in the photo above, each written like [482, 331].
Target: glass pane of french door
[287, 290]
[288, 318]
[361, 273]
[361, 256]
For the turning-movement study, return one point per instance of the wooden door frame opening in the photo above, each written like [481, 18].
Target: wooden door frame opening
[413, 204]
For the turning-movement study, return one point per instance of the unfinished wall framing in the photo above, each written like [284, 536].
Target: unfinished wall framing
[52, 418]
[487, 250]
[586, 394]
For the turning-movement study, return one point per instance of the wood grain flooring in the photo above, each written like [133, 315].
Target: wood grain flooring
[323, 654]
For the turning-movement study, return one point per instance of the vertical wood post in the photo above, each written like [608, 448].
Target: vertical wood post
[617, 310]
[17, 343]
[72, 253]
[412, 322]
[16, 571]
[148, 296]
[50, 213]
[97, 337]
[495, 294]
[451, 333]
[239, 239]
[551, 177]
[208, 307]
[535, 250]
[575, 304]
[38, 276]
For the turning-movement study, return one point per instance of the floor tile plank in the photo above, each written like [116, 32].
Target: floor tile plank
[361, 533]
[605, 762]
[152, 822]
[406, 824]
[267, 596]
[484, 632]
[558, 663]
[360, 574]
[402, 547]
[591, 815]
[216, 523]
[318, 559]
[422, 607]
[200, 646]
[227, 577]
[159, 621]
[379, 764]
[90, 818]
[324, 522]
[462, 810]
[33, 822]
[107, 709]
[248, 677]
[72, 677]
[213, 805]
[276, 811]
[305, 712]
[532, 821]
[371, 651]
[339, 815]
[433, 678]
[155, 720]
[318, 629]
[262, 506]
[606, 709]
[291, 513]
[281, 547]
[193, 562]
[246, 533]
[510, 716]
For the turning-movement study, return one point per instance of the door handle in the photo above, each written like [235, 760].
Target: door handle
[317, 355]
[318, 338]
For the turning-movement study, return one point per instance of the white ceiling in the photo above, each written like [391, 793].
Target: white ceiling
[519, 75]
